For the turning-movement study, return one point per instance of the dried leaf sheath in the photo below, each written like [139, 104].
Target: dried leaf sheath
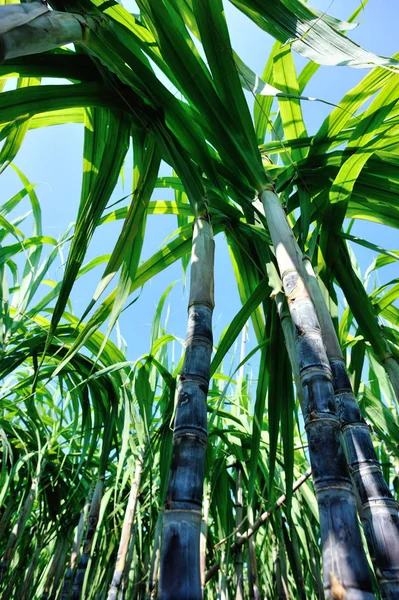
[34, 28]
[180, 555]
[342, 550]
[126, 533]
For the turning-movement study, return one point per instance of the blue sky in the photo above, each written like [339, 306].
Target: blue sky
[52, 158]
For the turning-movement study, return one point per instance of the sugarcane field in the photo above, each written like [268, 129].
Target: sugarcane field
[199, 300]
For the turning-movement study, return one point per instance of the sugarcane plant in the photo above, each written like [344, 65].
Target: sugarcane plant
[182, 515]
[280, 197]
[329, 469]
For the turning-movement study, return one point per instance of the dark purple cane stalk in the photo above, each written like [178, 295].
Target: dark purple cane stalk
[377, 508]
[180, 575]
[344, 561]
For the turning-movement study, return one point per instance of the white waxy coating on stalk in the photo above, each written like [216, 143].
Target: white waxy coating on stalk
[282, 237]
[204, 533]
[331, 478]
[79, 534]
[290, 344]
[97, 497]
[330, 339]
[202, 261]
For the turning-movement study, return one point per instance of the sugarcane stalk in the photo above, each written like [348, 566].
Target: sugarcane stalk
[77, 540]
[222, 584]
[128, 568]
[141, 584]
[53, 566]
[25, 593]
[238, 558]
[253, 577]
[91, 530]
[180, 573]
[241, 372]
[344, 560]
[126, 533]
[59, 571]
[153, 579]
[265, 516]
[20, 525]
[280, 569]
[295, 559]
[239, 506]
[288, 332]
[56, 587]
[6, 517]
[290, 344]
[378, 509]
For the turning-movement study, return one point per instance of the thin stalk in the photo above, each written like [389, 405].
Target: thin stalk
[180, 555]
[291, 542]
[239, 506]
[265, 516]
[77, 540]
[156, 555]
[378, 509]
[223, 593]
[27, 584]
[290, 344]
[53, 566]
[7, 515]
[253, 578]
[344, 559]
[238, 559]
[91, 530]
[128, 567]
[59, 571]
[144, 569]
[126, 533]
[244, 339]
[280, 569]
[315, 573]
[20, 525]
[241, 372]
